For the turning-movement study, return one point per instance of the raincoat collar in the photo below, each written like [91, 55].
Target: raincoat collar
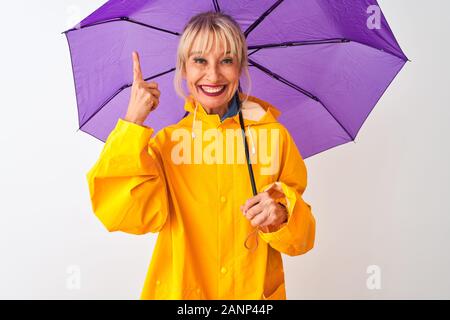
[233, 108]
[255, 112]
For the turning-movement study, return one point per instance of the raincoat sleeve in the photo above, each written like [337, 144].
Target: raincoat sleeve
[127, 184]
[295, 236]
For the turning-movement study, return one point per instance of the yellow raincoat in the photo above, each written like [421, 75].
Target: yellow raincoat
[136, 187]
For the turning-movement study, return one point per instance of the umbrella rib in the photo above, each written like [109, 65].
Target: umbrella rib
[298, 88]
[120, 90]
[285, 81]
[313, 42]
[124, 19]
[385, 51]
[216, 5]
[92, 24]
[298, 43]
[248, 55]
[261, 18]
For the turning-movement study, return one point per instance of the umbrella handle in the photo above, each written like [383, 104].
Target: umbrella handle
[250, 171]
[247, 154]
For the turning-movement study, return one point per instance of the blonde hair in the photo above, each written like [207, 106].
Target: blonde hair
[209, 27]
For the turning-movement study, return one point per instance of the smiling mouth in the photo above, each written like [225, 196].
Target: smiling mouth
[212, 90]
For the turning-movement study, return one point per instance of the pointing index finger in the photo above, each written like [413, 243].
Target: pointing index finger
[137, 73]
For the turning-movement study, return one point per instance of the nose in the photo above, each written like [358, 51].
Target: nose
[213, 74]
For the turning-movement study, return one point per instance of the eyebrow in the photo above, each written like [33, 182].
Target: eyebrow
[198, 52]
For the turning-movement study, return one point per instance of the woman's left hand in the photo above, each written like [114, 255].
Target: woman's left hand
[262, 210]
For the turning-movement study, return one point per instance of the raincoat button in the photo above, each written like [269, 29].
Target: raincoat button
[223, 199]
[198, 290]
[158, 282]
[223, 270]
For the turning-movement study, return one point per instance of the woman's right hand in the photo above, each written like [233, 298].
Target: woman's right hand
[144, 96]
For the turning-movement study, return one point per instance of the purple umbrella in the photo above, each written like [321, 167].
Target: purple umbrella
[323, 63]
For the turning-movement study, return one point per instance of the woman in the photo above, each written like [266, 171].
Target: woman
[190, 182]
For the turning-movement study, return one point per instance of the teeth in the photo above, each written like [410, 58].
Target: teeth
[212, 90]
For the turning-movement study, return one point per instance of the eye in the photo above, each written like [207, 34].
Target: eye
[199, 60]
[228, 61]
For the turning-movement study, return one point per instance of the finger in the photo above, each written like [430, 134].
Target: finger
[253, 211]
[155, 104]
[259, 219]
[152, 85]
[270, 218]
[137, 73]
[251, 202]
[154, 92]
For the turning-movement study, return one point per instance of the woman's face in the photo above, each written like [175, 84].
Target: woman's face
[214, 72]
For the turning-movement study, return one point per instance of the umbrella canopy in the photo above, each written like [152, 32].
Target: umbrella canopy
[324, 64]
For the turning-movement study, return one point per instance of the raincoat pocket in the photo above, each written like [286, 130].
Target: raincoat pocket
[278, 294]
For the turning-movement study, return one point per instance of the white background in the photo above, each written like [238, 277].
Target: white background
[380, 201]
